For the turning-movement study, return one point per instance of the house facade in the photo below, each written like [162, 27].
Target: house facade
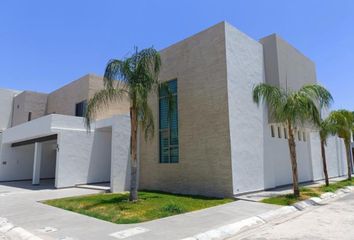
[226, 144]
[216, 142]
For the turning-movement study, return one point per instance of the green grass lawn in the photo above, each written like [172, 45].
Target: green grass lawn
[306, 193]
[151, 205]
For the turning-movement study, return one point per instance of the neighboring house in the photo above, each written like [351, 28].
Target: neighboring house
[216, 142]
[48, 138]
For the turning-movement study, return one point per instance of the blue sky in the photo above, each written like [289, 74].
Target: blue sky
[45, 44]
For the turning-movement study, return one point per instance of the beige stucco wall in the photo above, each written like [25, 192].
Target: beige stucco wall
[199, 64]
[121, 107]
[63, 100]
[26, 102]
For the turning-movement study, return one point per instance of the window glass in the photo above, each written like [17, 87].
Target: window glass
[80, 108]
[168, 124]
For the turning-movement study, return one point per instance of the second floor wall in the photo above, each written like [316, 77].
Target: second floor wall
[28, 106]
[70, 99]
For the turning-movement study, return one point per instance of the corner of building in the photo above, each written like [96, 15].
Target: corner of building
[245, 69]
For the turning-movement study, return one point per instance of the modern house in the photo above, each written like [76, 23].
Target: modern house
[217, 142]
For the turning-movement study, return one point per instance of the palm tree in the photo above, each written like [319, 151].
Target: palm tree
[326, 129]
[137, 77]
[293, 108]
[343, 121]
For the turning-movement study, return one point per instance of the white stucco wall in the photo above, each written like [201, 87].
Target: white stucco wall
[287, 67]
[87, 157]
[48, 162]
[120, 165]
[17, 162]
[244, 70]
[336, 157]
[277, 159]
[75, 157]
[310, 167]
[315, 154]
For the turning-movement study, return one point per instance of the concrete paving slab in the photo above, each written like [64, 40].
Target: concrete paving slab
[22, 207]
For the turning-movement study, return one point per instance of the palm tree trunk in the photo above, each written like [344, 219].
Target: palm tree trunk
[349, 162]
[324, 161]
[292, 148]
[133, 156]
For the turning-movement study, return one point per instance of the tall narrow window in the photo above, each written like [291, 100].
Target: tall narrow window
[29, 116]
[304, 136]
[80, 108]
[168, 124]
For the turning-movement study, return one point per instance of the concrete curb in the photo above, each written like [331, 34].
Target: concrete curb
[252, 222]
[248, 223]
[14, 232]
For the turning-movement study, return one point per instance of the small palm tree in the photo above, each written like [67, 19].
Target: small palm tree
[343, 121]
[137, 77]
[293, 108]
[326, 129]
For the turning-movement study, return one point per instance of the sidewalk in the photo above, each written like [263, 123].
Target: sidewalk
[259, 196]
[21, 208]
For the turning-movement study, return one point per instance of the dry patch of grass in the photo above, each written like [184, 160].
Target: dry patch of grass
[306, 193]
[151, 205]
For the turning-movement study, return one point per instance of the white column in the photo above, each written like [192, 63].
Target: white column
[37, 163]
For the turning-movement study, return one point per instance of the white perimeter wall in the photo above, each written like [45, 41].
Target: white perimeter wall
[277, 171]
[277, 158]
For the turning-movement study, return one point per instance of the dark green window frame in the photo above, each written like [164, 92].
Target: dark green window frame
[168, 124]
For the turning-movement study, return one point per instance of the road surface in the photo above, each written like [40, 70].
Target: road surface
[333, 221]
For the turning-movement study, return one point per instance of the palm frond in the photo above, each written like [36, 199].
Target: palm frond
[318, 94]
[273, 96]
[100, 99]
[115, 70]
[327, 128]
[344, 122]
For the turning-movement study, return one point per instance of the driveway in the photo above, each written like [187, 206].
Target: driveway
[20, 204]
[330, 222]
